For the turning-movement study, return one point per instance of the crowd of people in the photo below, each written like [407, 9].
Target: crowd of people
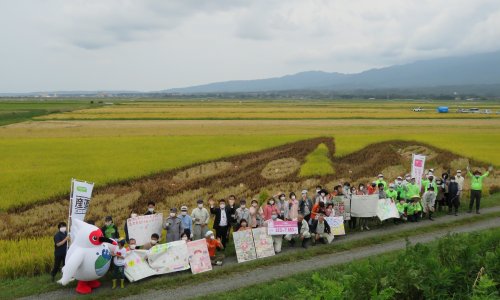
[412, 200]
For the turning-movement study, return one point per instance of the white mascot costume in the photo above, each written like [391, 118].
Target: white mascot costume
[88, 257]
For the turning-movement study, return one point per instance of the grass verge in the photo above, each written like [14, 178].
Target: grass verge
[26, 286]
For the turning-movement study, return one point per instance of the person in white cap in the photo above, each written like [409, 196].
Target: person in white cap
[305, 206]
[187, 221]
[459, 179]
[212, 245]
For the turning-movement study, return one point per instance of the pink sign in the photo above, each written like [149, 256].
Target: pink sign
[282, 227]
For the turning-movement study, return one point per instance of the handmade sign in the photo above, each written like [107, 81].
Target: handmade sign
[364, 206]
[417, 168]
[169, 257]
[342, 208]
[142, 227]
[244, 245]
[81, 192]
[199, 259]
[263, 242]
[282, 227]
[336, 225]
[387, 209]
[136, 266]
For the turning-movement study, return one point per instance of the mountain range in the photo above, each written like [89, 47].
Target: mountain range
[473, 70]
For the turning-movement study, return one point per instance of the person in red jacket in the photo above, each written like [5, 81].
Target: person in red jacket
[269, 208]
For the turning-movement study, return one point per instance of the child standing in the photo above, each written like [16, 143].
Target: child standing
[119, 263]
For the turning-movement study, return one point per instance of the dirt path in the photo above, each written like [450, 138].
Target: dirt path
[268, 273]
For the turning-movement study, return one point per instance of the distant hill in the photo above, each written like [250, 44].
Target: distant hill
[474, 70]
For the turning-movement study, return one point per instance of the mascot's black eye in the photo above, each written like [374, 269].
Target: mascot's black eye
[94, 238]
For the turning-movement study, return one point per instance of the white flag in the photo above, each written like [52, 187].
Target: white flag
[80, 199]
[417, 168]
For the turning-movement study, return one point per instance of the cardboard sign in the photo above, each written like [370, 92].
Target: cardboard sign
[199, 259]
[136, 266]
[364, 206]
[168, 258]
[387, 209]
[142, 227]
[282, 227]
[336, 225]
[263, 242]
[244, 245]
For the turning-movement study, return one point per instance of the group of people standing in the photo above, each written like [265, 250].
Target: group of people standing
[413, 202]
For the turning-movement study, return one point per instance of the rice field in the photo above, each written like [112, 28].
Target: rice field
[271, 110]
[39, 159]
[128, 140]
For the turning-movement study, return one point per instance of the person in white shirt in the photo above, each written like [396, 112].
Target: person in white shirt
[459, 179]
[221, 222]
[119, 253]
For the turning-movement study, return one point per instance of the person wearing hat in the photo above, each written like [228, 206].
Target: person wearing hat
[380, 179]
[305, 205]
[476, 187]
[212, 245]
[187, 221]
[392, 193]
[109, 229]
[414, 209]
[322, 197]
[174, 227]
[430, 181]
[200, 217]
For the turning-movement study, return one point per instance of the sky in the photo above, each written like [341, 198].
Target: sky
[147, 45]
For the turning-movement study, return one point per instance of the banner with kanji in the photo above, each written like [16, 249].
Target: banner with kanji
[417, 168]
[80, 198]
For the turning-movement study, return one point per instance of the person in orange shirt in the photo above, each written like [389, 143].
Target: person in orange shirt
[212, 245]
[317, 208]
[372, 189]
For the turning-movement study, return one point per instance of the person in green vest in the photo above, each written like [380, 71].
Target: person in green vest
[391, 192]
[476, 187]
[381, 180]
[414, 209]
[426, 183]
[400, 189]
[402, 207]
[412, 189]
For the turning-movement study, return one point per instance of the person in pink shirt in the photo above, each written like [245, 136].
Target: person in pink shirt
[269, 208]
[293, 208]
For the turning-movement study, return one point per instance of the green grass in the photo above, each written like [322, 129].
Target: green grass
[437, 270]
[20, 111]
[24, 286]
[317, 163]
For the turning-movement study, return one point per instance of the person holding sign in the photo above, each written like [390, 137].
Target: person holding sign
[321, 230]
[60, 246]
[277, 239]
[304, 235]
[151, 208]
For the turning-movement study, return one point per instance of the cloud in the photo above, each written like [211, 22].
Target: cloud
[156, 44]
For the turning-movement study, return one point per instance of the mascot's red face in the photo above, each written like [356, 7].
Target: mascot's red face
[96, 238]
